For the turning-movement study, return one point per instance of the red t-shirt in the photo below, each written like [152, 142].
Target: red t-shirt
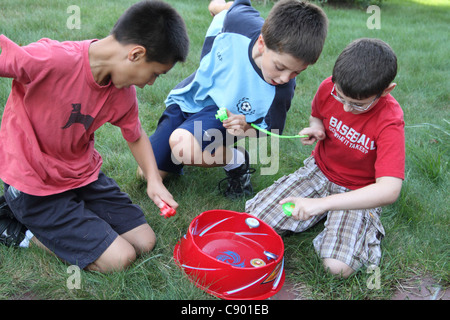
[359, 148]
[54, 108]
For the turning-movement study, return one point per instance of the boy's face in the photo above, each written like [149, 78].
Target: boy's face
[277, 68]
[135, 70]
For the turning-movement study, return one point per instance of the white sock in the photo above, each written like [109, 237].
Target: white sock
[237, 160]
[26, 241]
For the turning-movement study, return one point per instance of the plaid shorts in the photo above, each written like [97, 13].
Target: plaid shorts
[350, 236]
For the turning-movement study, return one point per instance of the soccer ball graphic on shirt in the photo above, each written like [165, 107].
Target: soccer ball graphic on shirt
[245, 107]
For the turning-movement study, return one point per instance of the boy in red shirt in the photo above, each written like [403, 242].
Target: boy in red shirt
[356, 167]
[62, 92]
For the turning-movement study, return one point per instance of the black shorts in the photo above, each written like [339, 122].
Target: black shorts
[80, 224]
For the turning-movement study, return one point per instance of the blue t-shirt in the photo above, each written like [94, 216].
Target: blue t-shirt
[228, 76]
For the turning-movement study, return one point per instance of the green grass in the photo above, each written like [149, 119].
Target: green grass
[417, 238]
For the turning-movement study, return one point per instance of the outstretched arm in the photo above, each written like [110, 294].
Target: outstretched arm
[143, 153]
[381, 193]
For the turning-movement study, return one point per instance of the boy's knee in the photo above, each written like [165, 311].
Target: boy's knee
[146, 244]
[142, 238]
[117, 257]
[337, 267]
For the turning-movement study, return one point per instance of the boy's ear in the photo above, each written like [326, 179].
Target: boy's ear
[261, 44]
[136, 53]
[388, 89]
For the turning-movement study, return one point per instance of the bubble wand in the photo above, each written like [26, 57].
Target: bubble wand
[222, 115]
[278, 135]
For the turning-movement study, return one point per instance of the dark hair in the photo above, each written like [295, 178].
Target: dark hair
[296, 28]
[365, 68]
[157, 27]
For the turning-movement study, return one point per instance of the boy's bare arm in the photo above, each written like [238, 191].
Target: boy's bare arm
[383, 192]
[143, 153]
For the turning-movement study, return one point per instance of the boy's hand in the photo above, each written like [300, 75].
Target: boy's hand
[314, 134]
[305, 208]
[236, 124]
[160, 195]
[315, 131]
[143, 153]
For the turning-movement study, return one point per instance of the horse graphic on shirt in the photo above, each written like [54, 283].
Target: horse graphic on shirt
[77, 117]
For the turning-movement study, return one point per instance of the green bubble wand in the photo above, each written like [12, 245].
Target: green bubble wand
[278, 135]
[222, 115]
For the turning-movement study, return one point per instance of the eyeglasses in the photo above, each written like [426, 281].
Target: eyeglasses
[352, 105]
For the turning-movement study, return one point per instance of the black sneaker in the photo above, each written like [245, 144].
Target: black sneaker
[238, 179]
[12, 232]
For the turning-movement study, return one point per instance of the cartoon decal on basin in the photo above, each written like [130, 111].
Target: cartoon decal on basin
[232, 258]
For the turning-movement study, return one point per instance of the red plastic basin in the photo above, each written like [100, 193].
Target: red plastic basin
[230, 258]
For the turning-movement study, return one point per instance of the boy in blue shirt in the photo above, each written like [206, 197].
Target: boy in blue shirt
[249, 66]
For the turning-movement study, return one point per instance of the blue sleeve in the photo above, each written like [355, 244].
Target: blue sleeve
[214, 29]
[242, 18]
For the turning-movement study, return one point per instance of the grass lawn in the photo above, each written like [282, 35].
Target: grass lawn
[417, 237]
